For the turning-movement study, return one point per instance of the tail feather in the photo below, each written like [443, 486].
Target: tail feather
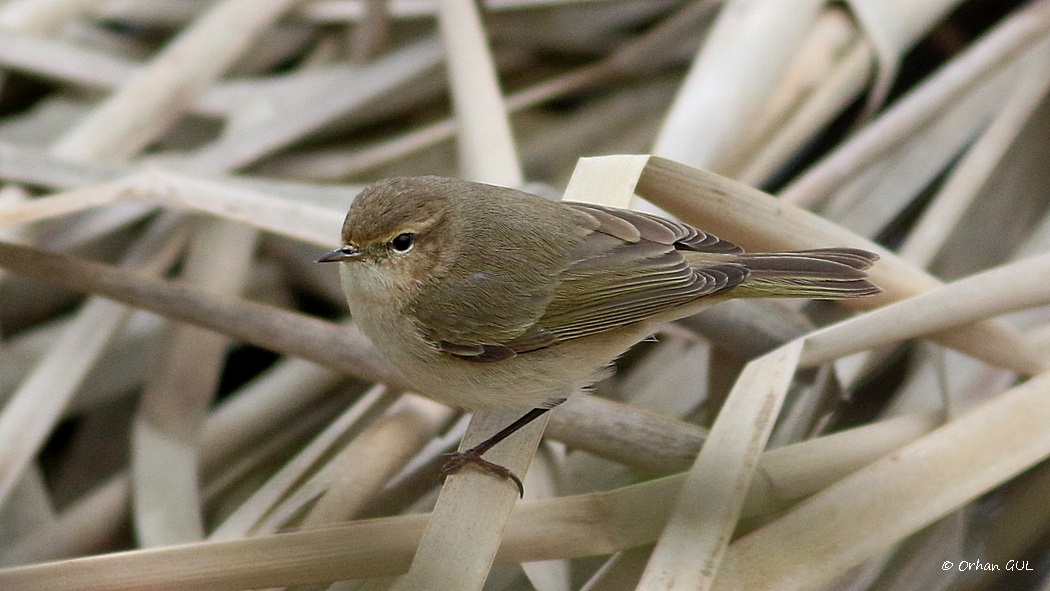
[851, 257]
[825, 273]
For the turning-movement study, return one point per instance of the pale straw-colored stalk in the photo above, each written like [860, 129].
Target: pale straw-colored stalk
[375, 455]
[43, 17]
[86, 527]
[922, 157]
[250, 515]
[597, 523]
[147, 104]
[292, 218]
[1015, 34]
[878, 506]
[132, 117]
[634, 58]
[969, 176]
[708, 507]
[33, 410]
[717, 100]
[260, 128]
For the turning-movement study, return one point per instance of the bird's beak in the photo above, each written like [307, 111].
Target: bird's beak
[345, 253]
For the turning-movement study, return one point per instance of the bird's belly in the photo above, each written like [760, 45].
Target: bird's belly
[527, 380]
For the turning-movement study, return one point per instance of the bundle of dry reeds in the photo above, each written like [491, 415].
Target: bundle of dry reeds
[185, 406]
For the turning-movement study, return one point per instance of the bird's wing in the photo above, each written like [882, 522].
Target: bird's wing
[629, 269]
[635, 226]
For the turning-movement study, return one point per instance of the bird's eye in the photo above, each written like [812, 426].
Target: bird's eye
[403, 242]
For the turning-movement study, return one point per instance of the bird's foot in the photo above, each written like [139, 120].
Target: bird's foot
[456, 460]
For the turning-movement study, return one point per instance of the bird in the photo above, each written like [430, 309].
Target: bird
[485, 297]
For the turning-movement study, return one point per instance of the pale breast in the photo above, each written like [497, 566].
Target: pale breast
[525, 381]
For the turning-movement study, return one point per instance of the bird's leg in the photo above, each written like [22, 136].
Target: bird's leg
[456, 460]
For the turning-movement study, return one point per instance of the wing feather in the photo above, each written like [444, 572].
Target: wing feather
[613, 284]
[627, 267]
[660, 230]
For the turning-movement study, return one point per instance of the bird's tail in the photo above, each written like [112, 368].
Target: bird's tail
[823, 273]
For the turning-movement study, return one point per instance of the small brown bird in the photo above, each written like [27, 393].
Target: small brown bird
[486, 297]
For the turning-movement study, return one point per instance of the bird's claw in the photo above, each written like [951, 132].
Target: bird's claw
[456, 460]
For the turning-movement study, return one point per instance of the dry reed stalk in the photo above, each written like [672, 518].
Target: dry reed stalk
[970, 175]
[938, 473]
[145, 105]
[41, 18]
[712, 497]
[288, 217]
[85, 528]
[714, 97]
[36, 405]
[632, 59]
[374, 457]
[918, 162]
[1011, 37]
[289, 387]
[250, 514]
[131, 118]
[593, 523]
